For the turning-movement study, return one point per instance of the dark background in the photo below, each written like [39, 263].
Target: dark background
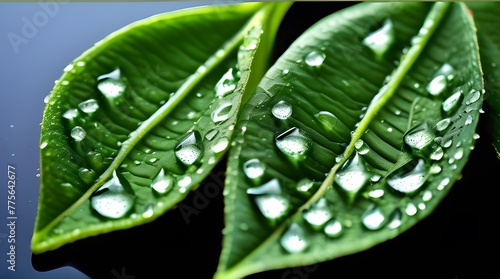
[459, 240]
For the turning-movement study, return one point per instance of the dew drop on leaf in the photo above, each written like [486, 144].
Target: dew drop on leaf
[410, 177]
[220, 145]
[70, 114]
[395, 219]
[293, 143]
[162, 183]
[89, 106]
[111, 85]
[315, 58]
[78, 133]
[254, 169]
[189, 150]
[373, 218]
[380, 40]
[113, 200]
[293, 240]
[451, 103]
[221, 113]
[318, 214]
[282, 110]
[437, 85]
[353, 176]
[333, 228]
[269, 199]
[226, 85]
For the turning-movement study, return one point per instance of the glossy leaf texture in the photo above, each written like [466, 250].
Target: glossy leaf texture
[356, 133]
[489, 43]
[141, 118]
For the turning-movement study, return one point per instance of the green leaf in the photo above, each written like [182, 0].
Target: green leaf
[485, 16]
[141, 118]
[356, 133]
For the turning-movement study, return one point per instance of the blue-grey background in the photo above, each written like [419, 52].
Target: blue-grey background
[459, 240]
[52, 34]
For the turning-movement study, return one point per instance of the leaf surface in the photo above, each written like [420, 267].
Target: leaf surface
[141, 118]
[356, 133]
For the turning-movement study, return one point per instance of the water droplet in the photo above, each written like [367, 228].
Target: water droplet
[331, 123]
[315, 58]
[89, 106]
[221, 113]
[468, 120]
[46, 99]
[293, 240]
[162, 183]
[270, 201]
[459, 153]
[189, 150]
[226, 85]
[221, 145]
[88, 176]
[80, 63]
[294, 143]
[78, 133]
[68, 68]
[420, 138]
[411, 209]
[451, 103]
[211, 134]
[184, 182]
[427, 196]
[318, 214]
[353, 176]
[333, 228]
[254, 169]
[43, 145]
[377, 193]
[111, 85]
[437, 154]
[395, 219]
[410, 177]
[304, 186]
[114, 199]
[70, 114]
[282, 110]
[361, 147]
[148, 212]
[442, 124]
[474, 96]
[381, 40]
[437, 85]
[95, 160]
[373, 218]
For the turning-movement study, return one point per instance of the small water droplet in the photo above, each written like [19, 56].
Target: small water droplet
[95, 160]
[381, 40]
[468, 120]
[333, 228]
[427, 196]
[43, 145]
[459, 153]
[315, 58]
[373, 218]
[474, 96]
[254, 169]
[221, 113]
[410, 177]
[68, 68]
[111, 85]
[410, 209]
[293, 240]
[89, 106]
[353, 176]
[148, 212]
[442, 124]
[226, 85]
[221, 145]
[270, 201]
[282, 110]
[162, 183]
[184, 182]
[114, 199]
[395, 219]
[420, 138]
[294, 143]
[304, 186]
[361, 147]
[189, 150]
[318, 214]
[70, 114]
[437, 154]
[211, 134]
[78, 133]
[451, 103]
[377, 193]
[437, 85]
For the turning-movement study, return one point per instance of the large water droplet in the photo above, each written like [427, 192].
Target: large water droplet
[381, 40]
[410, 177]
[315, 58]
[293, 240]
[373, 218]
[114, 199]
[110, 85]
[221, 113]
[254, 169]
[89, 106]
[294, 143]
[333, 228]
[318, 214]
[282, 110]
[189, 150]
[269, 199]
[162, 183]
[442, 125]
[353, 176]
[70, 114]
[226, 85]
[78, 133]
[221, 145]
